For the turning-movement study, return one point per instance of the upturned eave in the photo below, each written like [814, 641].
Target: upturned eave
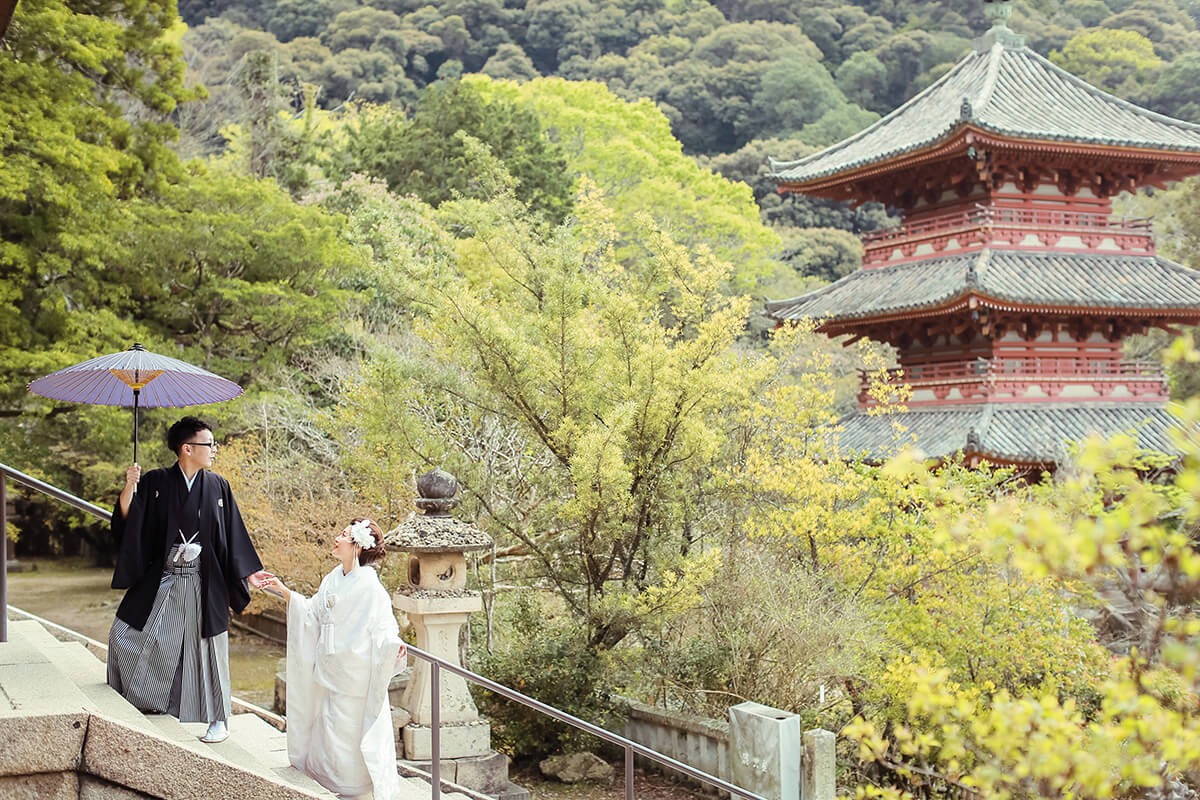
[968, 301]
[1168, 164]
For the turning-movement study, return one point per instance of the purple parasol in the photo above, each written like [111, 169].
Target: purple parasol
[135, 377]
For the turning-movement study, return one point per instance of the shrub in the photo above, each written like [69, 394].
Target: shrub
[548, 659]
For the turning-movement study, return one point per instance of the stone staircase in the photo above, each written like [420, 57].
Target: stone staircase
[65, 734]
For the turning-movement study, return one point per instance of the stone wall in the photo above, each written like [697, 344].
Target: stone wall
[798, 766]
[698, 742]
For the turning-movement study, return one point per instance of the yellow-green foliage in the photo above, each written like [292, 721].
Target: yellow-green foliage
[579, 397]
[880, 535]
[1116, 60]
[1112, 524]
[628, 151]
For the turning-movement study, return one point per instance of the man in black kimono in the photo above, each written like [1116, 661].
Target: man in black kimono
[184, 556]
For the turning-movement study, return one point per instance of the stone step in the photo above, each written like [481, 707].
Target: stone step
[58, 715]
[31, 680]
[252, 744]
[49, 672]
[269, 745]
[90, 675]
[43, 719]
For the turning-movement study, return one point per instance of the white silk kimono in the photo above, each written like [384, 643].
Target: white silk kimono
[342, 652]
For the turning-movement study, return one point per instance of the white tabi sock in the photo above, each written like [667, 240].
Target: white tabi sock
[217, 732]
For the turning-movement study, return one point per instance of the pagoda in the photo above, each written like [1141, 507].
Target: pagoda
[1009, 286]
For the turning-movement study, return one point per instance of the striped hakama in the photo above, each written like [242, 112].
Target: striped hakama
[168, 666]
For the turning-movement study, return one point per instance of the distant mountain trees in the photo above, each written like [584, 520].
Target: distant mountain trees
[729, 76]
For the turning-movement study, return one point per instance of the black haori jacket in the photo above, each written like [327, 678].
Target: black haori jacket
[160, 509]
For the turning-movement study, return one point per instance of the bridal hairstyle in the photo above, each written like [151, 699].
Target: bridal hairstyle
[375, 553]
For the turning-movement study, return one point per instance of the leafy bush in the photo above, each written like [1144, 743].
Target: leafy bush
[548, 659]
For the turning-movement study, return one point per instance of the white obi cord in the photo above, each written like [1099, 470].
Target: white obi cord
[190, 549]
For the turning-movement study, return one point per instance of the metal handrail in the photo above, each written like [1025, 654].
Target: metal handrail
[7, 472]
[631, 747]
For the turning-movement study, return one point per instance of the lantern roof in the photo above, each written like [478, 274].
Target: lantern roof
[434, 530]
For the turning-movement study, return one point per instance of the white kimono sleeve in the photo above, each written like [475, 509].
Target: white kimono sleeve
[303, 691]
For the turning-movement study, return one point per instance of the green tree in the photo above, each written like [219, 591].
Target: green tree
[293, 18]
[360, 28]
[1163, 22]
[825, 253]
[556, 30]
[905, 54]
[792, 93]
[371, 75]
[426, 156]
[232, 269]
[836, 124]
[866, 36]
[1177, 90]
[627, 149]
[1089, 12]
[578, 399]
[510, 63]
[862, 78]
[74, 77]
[1119, 61]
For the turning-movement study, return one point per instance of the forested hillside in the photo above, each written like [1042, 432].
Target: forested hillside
[726, 74]
[738, 81]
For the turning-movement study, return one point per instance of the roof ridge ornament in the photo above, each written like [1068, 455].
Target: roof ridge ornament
[999, 12]
[965, 112]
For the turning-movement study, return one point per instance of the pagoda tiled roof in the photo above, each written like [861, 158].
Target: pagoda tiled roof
[1005, 432]
[1082, 280]
[1009, 90]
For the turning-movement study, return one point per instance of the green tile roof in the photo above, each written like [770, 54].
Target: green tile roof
[1011, 432]
[1029, 278]
[1009, 90]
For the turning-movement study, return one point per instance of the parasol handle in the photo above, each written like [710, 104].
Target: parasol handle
[136, 393]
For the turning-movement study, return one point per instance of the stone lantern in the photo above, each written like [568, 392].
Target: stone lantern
[438, 604]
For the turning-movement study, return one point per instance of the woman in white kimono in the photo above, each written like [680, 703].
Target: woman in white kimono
[343, 649]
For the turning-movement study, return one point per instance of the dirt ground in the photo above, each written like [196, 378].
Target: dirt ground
[647, 786]
[76, 595]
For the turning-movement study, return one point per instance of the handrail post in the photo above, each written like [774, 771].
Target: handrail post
[435, 722]
[3, 557]
[629, 773]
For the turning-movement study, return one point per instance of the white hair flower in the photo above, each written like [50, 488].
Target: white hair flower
[360, 532]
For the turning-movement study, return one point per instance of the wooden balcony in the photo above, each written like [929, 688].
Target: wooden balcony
[1042, 229]
[1023, 380]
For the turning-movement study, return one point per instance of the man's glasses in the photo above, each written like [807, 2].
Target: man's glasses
[213, 445]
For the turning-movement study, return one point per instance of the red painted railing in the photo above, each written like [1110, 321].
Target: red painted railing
[1012, 379]
[983, 224]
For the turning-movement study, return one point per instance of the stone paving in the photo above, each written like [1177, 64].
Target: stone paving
[65, 734]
